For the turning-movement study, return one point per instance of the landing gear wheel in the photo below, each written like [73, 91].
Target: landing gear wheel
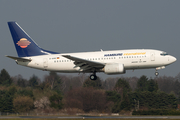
[93, 77]
[156, 73]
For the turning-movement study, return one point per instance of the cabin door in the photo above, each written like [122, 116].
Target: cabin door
[152, 55]
[45, 62]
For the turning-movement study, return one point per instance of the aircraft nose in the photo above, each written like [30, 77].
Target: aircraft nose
[172, 59]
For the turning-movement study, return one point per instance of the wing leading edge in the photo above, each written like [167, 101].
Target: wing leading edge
[85, 65]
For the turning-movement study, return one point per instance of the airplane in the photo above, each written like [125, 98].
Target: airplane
[109, 62]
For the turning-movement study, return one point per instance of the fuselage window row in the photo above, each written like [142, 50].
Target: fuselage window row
[102, 58]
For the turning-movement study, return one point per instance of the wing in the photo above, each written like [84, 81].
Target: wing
[19, 59]
[85, 65]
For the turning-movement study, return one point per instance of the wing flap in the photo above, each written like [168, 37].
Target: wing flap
[78, 65]
[84, 64]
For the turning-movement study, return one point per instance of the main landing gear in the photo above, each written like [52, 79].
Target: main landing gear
[93, 76]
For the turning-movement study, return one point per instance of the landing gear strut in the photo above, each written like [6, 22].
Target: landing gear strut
[93, 76]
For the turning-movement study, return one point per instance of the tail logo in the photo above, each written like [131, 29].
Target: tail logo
[23, 43]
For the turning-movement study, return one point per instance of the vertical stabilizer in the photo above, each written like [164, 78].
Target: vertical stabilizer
[24, 44]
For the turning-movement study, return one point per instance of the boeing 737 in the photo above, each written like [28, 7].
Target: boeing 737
[109, 62]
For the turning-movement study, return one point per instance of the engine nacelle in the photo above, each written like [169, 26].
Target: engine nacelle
[114, 68]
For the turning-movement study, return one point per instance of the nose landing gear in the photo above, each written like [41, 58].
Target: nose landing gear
[156, 73]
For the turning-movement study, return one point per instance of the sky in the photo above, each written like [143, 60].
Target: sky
[90, 25]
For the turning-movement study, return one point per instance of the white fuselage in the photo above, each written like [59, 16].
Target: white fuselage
[131, 59]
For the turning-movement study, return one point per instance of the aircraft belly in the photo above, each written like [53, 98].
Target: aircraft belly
[63, 67]
[139, 65]
[34, 64]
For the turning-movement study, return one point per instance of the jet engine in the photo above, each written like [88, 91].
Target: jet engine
[114, 68]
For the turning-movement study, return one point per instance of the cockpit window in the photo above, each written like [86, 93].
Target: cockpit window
[164, 54]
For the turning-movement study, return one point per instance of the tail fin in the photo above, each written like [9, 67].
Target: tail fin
[25, 46]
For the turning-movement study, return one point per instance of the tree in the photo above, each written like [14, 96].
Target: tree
[12, 90]
[165, 83]
[115, 98]
[25, 92]
[122, 87]
[33, 81]
[125, 104]
[53, 77]
[152, 86]
[5, 78]
[132, 82]
[21, 82]
[23, 103]
[153, 100]
[43, 103]
[109, 83]
[142, 84]
[6, 100]
[86, 98]
[54, 81]
[93, 83]
[56, 101]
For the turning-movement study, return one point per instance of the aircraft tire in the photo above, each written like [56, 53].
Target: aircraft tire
[93, 77]
[156, 73]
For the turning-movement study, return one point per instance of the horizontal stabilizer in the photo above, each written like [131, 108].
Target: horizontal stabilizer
[19, 59]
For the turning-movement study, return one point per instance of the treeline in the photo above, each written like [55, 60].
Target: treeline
[60, 93]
